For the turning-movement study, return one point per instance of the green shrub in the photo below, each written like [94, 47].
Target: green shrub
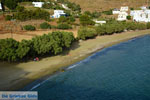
[87, 13]
[86, 20]
[148, 25]
[72, 19]
[47, 5]
[73, 6]
[129, 17]
[29, 28]
[68, 20]
[20, 8]
[53, 27]
[101, 30]
[109, 12]
[64, 26]
[95, 14]
[131, 8]
[8, 18]
[141, 26]
[131, 26]
[85, 33]
[62, 19]
[45, 25]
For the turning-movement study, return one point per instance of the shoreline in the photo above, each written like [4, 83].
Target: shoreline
[85, 49]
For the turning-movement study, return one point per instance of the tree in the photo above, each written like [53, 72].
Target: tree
[29, 28]
[85, 33]
[11, 4]
[64, 26]
[23, 49]
[131, 8]
[20, 8]
[47, 5]
[42, 44]
[148, 25]
[67, 39]
[95, 14]
[87, 13]
[72, 19]
[86, 20]
[101, 30]
[141, 26]
[62, 19]
[8, 49]
[45, 25]
[129, 17]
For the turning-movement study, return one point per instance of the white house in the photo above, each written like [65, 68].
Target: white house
[58, 13]
[143, 7]
[141, 15]
[133, 12]
[125, 8]
[38, 4]
[122, 16]
[99, 22]
[0, 6]
[116, 11]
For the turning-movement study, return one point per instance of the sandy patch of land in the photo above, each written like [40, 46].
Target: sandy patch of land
[14, 76]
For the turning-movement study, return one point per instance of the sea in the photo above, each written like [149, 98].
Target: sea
[120, 72]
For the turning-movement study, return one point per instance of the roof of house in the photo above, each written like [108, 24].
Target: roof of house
[116, 9]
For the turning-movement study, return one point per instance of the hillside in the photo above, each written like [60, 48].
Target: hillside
[100, 5]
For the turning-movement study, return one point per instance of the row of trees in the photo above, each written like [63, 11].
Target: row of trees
[23, 14]
[110, 28]
[47, 44]
[46, 25]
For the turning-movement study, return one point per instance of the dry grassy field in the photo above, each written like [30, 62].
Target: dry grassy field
[99, 5]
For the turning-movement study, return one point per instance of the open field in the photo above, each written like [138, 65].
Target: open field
[100, 5]
[17, 75]
[30, 34]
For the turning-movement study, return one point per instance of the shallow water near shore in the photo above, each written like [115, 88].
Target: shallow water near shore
[120, 72]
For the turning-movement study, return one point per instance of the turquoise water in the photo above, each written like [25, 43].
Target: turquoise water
[121, 72]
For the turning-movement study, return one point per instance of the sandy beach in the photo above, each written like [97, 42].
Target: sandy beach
[17, 75]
